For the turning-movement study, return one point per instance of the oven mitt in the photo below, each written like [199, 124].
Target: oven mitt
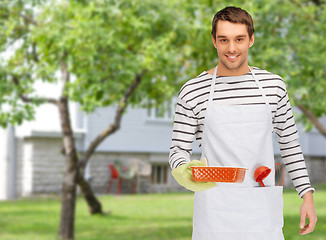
[183, 176]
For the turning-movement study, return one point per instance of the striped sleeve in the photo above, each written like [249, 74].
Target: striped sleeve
[290, 149]
[184, 129]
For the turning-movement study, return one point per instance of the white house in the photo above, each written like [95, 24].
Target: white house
[31, 162]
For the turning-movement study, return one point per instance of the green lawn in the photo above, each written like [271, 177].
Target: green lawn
[134, 217]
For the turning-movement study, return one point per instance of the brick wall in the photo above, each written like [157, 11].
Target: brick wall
[40, 168]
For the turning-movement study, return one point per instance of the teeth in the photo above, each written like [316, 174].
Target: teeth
[232, 56]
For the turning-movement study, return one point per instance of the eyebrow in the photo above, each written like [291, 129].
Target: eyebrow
[221, 36]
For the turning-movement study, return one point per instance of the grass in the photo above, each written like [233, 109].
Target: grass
[135, 217]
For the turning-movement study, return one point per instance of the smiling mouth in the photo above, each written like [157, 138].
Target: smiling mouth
[232, 57]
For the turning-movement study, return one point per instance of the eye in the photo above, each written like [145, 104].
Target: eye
[240, 39]
[223, 40]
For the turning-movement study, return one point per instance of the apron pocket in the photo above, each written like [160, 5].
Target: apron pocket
[252, 209]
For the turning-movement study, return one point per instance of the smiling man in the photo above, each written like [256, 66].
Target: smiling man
[232, 43]
[232, 110]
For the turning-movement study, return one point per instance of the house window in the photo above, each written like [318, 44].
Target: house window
[159, 174]
[163, 112]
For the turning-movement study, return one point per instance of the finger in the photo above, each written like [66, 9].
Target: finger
[306, 226]
[312, 222]
[303, 229]
[307, 229]
[204, 160]
[303, 220]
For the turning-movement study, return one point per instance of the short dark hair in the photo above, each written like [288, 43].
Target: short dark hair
[234, 15]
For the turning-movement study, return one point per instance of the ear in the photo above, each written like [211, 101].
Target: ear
[251, 41]
[214, 42]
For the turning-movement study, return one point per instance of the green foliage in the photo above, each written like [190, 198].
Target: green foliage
[106, 43]
[289, 41]
[292, 42]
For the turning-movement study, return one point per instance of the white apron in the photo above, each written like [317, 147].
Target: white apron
[239, 136]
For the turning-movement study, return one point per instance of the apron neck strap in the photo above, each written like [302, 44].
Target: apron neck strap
[211, 93]
[260, 88]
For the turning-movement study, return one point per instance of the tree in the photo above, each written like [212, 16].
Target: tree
[125, 52]
[289, 40]
[119, 52]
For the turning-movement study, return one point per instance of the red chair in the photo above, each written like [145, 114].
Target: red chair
[116, 175]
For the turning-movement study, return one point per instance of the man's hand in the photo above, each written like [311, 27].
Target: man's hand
[183, 176]
[307, 210]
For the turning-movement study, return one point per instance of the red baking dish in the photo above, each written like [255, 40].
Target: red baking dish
[218, 174]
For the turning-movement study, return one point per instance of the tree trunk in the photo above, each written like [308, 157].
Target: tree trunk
[312, 117]
[94, 205]
[68, 200]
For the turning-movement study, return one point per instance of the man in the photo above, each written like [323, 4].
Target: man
[232, 110]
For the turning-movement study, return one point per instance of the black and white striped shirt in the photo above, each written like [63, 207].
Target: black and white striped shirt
[191, 108]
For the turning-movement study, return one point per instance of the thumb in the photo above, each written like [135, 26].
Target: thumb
[204, 160]
[303, 220]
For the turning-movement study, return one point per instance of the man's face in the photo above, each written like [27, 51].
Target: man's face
[232, 44]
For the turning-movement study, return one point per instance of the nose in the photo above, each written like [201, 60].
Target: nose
[231, 47]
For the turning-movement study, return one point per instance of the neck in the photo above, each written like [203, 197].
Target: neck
[222, 70]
